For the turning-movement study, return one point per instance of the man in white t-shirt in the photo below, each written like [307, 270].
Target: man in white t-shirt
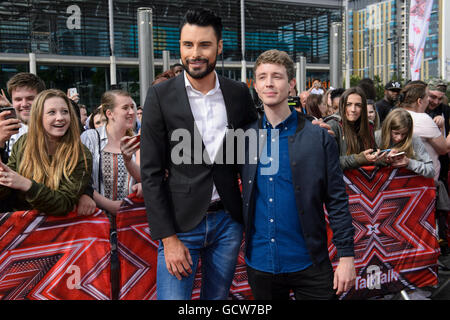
[427, 129]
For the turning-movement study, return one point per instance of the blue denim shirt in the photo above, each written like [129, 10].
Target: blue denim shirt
[276, 242]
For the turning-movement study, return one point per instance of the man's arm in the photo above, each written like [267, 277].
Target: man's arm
[154, 161]
[340, 219]
[153, 165]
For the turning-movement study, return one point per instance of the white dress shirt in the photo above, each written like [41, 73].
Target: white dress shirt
[22, 130]
[210, 117]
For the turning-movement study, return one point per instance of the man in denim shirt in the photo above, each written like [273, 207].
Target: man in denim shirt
[296, 173]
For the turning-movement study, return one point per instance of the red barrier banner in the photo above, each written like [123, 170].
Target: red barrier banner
[138, 258]
[396, 244]
[43, 257]
[54, 258]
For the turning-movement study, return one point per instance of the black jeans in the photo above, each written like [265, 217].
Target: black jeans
[313, 283]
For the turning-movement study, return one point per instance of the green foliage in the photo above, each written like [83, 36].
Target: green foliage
[379, 87]
[354, 80]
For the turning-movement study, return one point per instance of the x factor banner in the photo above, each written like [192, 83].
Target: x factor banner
[43, 257]
[138, 258]
[396, 244]
[54, 258]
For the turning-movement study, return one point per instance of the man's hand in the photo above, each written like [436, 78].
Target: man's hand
[4, 102]
[8, 127]
[345, 275]
[86, 206]
[178, 258]
[324, 125]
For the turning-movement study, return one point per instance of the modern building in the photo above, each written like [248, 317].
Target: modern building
[69, 41]
[379, 40]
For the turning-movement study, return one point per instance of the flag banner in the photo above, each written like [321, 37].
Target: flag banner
[396, 245]
[43, 257]
[419, 20]
[54, 258]
[138, 258]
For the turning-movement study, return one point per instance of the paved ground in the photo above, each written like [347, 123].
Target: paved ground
[442, 292]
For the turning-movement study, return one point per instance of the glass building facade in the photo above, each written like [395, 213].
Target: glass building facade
[81, 28]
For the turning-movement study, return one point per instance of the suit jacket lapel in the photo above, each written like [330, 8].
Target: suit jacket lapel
[227, 93]
[253, 165]
[183, 106]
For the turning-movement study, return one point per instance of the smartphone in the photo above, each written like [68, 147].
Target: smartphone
[73, 91]
[397, 154]
[138, 136]
[12, 115]
[381, 151]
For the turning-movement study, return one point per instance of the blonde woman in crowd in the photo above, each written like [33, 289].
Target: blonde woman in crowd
[406, 150]
[49, 168]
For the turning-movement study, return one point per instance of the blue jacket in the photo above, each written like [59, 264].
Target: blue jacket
[318, 181]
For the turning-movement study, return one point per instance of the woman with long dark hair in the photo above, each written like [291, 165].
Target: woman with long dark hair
[354, 133]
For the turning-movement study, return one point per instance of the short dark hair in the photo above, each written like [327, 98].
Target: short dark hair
[25, 79]
[368, 86]
[337, 93]
[203, 18]
[176, 65]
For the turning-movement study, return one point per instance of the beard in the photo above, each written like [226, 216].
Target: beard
[199, 74]
[392, 99]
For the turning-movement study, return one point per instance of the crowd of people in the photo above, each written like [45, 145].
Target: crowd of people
[57, 158]
[407, 128]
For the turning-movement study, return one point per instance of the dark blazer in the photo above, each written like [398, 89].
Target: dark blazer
[317, 180]
[179, 203]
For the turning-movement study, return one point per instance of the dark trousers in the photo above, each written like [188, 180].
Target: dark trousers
[313, 283]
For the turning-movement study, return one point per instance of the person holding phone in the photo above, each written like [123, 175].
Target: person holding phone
[73, 95]
[113, 179]
[9, 125]
[407, 149]
[354, 132]
[316, 87]
[23, 87]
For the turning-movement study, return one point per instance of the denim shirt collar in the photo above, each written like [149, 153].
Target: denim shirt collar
[288, 123]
